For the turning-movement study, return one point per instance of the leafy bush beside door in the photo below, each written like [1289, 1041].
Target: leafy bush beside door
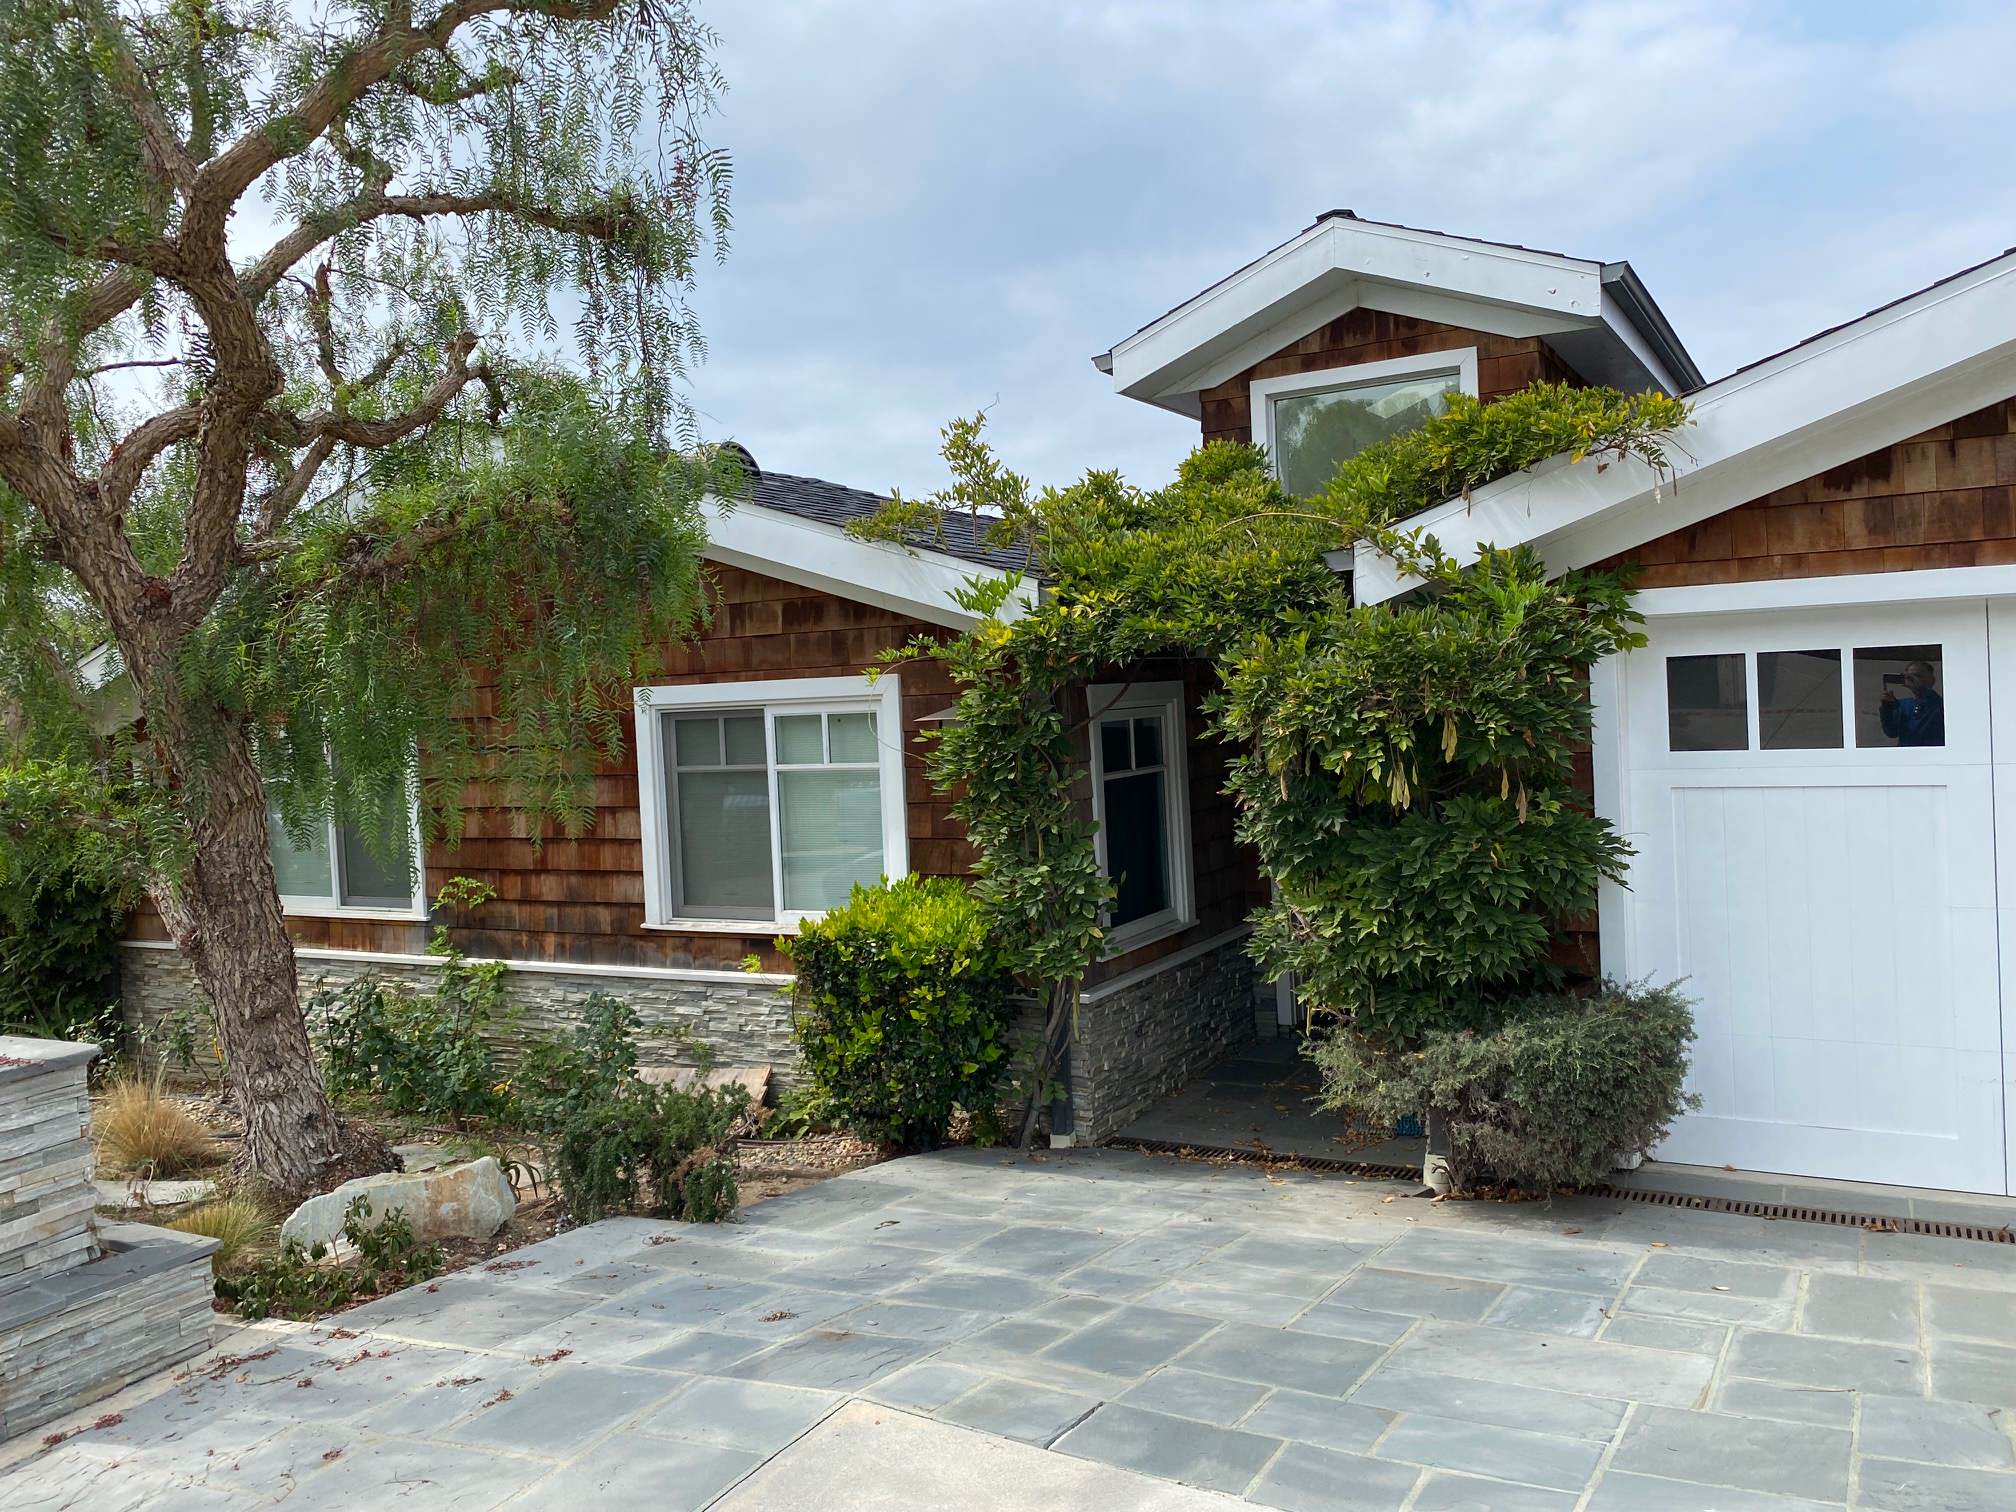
[1548, 1098]
[902, 1009]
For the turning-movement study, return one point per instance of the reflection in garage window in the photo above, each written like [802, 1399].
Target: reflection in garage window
[1900, 696]
[1706, 706]
[1799, 700]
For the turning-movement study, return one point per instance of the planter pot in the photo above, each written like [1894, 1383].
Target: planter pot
[1627, 1160]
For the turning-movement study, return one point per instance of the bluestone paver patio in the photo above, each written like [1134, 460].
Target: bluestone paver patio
[1157, 1333]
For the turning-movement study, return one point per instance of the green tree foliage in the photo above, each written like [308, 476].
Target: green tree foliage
[284, 427]
[1550, 1097]
[1408, 782]
[1222, 564]
[902, 1009]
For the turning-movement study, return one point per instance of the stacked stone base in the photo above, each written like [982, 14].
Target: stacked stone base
[740, 1019]
[1147, 1034]
[73, 1338]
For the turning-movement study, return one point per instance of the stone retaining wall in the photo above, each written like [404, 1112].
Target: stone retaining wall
[84, 1310]
[744, 1021]
[1140, 1038]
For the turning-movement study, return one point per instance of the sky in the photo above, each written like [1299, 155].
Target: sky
[944, 206]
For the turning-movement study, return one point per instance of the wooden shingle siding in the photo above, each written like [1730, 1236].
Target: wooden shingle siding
[1943, 498]
[1504, 363]
[581, 898]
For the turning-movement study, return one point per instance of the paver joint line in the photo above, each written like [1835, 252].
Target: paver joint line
[1180, 1320]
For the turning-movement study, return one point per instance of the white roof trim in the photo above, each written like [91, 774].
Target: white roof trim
[1943, 352]
[1338, 265]
[819, 555]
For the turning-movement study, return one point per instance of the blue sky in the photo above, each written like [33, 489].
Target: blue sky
[943, 206]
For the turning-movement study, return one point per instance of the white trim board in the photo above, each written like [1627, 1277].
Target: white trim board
[1914, 586]
[814, 554]
[1943, 352]
[1163, 701]
[558, 968]
[1139, 974]
[1343, 263]
[882, 695]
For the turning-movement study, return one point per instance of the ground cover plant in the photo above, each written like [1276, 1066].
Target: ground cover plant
[1404, 771]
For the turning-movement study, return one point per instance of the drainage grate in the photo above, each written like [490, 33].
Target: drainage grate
[1743, 1207]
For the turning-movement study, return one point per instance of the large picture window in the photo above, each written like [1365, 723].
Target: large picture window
[765, 802]
[339, 868]
[1310, 423]
[1140, 800]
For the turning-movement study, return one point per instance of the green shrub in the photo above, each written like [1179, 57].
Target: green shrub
[635, 1147]
[59, 963]
[1548, 1099]
[556, 1076]
[299, 1282]
[415, 1054]
[902, 1009]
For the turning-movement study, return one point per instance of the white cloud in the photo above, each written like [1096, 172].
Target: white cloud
[945, 206]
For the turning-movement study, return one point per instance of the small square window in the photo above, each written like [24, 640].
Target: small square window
[801, 740]
[1900, 697]
[1116, 752]
[1799, 700]
[1707, 705]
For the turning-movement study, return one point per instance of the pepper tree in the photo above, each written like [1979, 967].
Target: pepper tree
[1404, 773]
[283, 430]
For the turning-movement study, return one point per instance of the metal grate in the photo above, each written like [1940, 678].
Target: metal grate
[1744, 1207]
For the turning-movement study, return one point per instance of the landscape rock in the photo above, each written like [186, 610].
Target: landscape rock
[468, 1201]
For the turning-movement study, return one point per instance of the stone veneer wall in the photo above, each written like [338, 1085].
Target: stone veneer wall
[84, 1310]
[1142, 1037]
[744, 1021]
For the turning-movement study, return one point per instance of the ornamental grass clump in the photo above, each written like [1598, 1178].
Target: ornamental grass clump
[138, 1130]
[242, 1228]
[902, 1009]
[1554, 1095]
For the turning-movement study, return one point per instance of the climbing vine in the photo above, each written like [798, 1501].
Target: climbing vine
[1453, 722]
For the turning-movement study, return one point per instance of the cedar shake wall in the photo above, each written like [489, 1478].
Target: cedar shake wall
[1940, 499]
[582, 900]
[1504, 363]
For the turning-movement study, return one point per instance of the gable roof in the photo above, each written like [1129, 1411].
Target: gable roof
[1597, 316]
[1940, 352]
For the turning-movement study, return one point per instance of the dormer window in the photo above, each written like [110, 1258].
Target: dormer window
[1310, 423]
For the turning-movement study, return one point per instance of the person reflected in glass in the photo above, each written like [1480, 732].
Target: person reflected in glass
[1917, 716]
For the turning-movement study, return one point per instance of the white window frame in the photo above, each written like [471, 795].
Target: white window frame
[882, 697]
[309, 906]
[1458, 363]
[1106, 701]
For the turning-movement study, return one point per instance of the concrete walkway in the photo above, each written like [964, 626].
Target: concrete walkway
[1119, 1331]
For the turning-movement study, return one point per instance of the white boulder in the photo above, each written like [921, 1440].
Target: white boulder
[468, 1201]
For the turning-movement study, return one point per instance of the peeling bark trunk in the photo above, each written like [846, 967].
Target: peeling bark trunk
[227, 922]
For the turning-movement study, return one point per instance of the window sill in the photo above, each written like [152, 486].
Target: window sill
[1151, 934]
[750, 927]
[363, 915]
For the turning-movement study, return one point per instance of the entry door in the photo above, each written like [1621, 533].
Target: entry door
[1811, 797]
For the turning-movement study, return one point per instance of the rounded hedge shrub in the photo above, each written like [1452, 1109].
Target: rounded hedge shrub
[1550, 1098]
[902, 1009]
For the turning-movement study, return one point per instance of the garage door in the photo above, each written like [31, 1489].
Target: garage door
[1812, 798]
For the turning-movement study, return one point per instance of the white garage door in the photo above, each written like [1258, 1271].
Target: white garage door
[1812, 799]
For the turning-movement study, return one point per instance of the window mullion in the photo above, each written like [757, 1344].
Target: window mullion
[336, 885]
[776, 812]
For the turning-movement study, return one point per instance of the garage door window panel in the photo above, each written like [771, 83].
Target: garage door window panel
[1900, 696]
[1799, 700]
[1707, 703]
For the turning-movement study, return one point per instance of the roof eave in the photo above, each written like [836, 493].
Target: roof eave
[1624, 285]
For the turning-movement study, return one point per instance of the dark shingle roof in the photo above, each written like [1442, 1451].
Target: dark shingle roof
[960, 535]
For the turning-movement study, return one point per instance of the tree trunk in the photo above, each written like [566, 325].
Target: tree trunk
[227, 922]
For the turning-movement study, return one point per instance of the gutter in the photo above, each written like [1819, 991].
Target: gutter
[1622, 283]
